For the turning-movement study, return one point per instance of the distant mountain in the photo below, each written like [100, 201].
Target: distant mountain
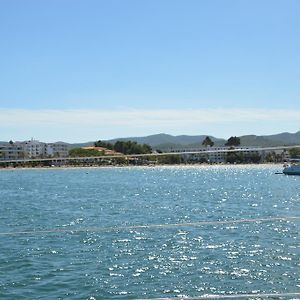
[286, 137]
[280, 139]
[164, 141]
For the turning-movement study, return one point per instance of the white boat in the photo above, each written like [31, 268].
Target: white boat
[292, 169]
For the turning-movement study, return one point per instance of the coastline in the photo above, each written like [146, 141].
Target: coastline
[140, 166]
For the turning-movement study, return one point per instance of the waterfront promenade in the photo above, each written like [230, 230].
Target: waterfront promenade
[92, 159]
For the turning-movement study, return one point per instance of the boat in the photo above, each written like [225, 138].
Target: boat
[293, 169]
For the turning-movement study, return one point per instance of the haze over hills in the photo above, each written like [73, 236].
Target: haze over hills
[164, 141]
[162, 138]
[280, 139]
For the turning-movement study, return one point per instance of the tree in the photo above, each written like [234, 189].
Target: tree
[104, 145]
[235, 157]
[125, 147]
[270, 157]
[169, 159]
[255, 158]
[129, 147]
[233, 141]
[273, 157]
[146, 148]
[208, 142]
[294, 152]
[79, 152]
[119, 147]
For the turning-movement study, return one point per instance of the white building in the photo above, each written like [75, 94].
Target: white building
[58, 149]
[219, 154]
[33, 148]
[37, 149]
[11, 151]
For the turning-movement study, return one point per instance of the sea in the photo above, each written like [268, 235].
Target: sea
[149, 232]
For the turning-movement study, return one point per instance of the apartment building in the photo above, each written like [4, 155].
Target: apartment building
[11, 151]
[32, 149]
[219, 154]
[58, 149]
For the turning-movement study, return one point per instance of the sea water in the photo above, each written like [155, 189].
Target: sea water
[67, 233]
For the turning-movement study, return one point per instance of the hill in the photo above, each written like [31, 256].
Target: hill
[164, 141]
[170, 140]
[280, 139]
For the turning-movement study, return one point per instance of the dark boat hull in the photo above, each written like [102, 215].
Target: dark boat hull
[292, 170]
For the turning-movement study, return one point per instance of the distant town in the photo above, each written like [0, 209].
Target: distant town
[34, 153]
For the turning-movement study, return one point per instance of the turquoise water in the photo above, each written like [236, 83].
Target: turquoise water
[135, 263]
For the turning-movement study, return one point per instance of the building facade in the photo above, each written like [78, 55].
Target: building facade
[32, 149]
[11, 151]
[58, 149]
[221, 154]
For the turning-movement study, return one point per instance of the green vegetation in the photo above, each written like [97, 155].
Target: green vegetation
[208, 142]
[233, 141]
[242, 158]
[169, 159]
[126, 147]
[104, 145]
[294, 152]
[130, 147]
[235, 158]
[272, 157]
[254, 158]
[79, 152]
[166, 141]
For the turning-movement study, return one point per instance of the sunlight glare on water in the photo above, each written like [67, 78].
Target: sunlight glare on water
[146, 263]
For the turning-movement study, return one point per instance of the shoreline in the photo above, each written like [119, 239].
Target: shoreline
[139, 166]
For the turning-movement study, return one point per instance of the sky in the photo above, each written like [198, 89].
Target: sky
[86, 70]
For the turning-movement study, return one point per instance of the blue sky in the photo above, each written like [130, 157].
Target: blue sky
[71, 60]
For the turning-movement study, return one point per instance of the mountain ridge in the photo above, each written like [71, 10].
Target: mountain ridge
[163, 140]
[167, 141]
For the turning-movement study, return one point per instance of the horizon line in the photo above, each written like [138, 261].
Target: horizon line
[146, 136]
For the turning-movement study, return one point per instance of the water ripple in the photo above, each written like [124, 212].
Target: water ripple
[148, 262]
